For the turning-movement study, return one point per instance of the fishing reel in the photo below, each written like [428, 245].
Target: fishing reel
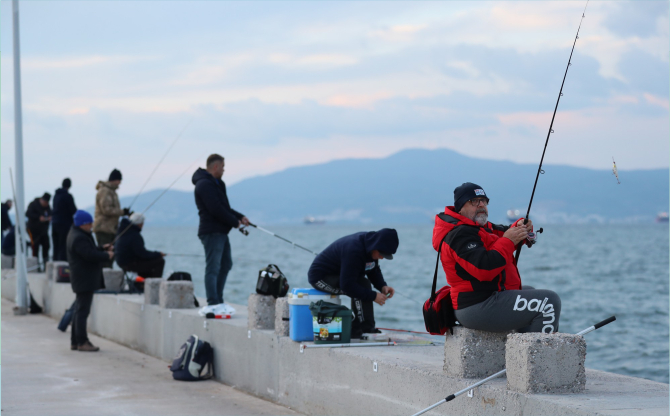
[532, 237]
[243, 230]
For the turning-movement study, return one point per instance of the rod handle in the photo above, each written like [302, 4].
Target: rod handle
[605, 322]
[450, 397]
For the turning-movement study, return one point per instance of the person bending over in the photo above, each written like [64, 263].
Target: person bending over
[131, 255]
[477, 257]
[342, 268]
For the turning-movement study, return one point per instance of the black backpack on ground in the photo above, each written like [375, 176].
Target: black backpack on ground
[271, 281]
[191, 360]
[183, 276]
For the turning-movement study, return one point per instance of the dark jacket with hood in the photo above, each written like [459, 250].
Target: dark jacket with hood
[478, 261]
[6, 221]
[216, 215]
[349, 257]
[86, 260]
[63, 209]
[33, 213]
[130, 246]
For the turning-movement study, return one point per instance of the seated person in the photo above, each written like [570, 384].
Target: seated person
[342, 268]
[131, 255]
[478, 259]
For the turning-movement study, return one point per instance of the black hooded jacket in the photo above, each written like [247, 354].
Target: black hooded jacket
[216, 215]
[6, 221]
[86, 260]
[33, 213]
[130, 246]
[63, 208]
[349, 257]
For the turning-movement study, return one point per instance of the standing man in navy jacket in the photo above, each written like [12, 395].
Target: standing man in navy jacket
[61, 220]
[342, 268]
[217, 218]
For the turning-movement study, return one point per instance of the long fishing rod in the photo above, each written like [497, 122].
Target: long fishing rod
[551, 125]
[281, 238]
[159, 163]
[157, 198]
[502, 372]
[20, 222]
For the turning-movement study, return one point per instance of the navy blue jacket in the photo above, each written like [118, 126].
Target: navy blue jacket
[349, 257]
[6, 221]
[35, 210]
[63, 208]
[130, 246]
[9, 243]
[216, 215]
[86, 260]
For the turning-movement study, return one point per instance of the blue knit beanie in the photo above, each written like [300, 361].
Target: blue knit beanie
[82, 217]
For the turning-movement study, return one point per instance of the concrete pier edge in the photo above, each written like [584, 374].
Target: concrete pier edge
[333, 381]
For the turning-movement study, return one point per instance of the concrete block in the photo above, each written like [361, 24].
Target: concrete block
[281, 317]
[470, 353]
[113, 279]
[7, 262]
[261, 312]
[176, 294]
[31, 265]
[52, 269]
[152, 288]
[545, 363]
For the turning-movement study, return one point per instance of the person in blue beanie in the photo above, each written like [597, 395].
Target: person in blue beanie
[350, 266]
[86, 261]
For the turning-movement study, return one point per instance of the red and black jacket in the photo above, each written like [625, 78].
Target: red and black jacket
[477, 260]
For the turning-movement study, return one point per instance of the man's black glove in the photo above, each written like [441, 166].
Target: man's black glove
[126, 212]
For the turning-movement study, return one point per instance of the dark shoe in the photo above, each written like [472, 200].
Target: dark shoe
[373, 331]
[73, 347]
[87, 346]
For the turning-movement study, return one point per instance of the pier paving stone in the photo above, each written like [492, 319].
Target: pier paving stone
[113, 279]
[176, 294]
[7, 262]
[546, 363]
[261, 311]
[470, 353]
[281, 317]
[152, 287]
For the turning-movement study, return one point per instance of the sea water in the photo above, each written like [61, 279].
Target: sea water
[598, 271]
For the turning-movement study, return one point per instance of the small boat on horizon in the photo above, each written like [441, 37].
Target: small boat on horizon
[311, 220]
[662, 217]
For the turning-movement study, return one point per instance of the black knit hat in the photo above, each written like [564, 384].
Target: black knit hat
[67, 183]
[466, 192]
[115, 175]
[46, 196]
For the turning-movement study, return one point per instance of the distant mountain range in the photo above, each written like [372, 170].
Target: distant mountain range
[411, 186]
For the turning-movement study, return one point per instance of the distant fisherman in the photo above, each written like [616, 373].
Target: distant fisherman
[217, 218]
[63, 210]
[6, 221]
[342, 268]
[108, 211]
[132, 255]
[478, 260]
[39, 217]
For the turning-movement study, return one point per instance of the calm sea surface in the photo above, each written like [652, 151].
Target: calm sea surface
[598, 270]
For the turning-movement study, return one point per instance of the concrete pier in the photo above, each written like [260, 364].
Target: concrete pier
[363, 381]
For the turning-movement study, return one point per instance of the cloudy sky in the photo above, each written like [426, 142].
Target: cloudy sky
[271, 85]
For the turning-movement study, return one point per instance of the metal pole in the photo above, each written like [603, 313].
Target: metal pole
[21, 293]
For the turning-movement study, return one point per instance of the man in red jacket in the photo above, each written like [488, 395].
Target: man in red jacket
[478, 260]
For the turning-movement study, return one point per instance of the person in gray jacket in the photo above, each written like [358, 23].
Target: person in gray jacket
[86, 260]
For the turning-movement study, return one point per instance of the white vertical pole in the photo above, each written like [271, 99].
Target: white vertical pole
[21, 295]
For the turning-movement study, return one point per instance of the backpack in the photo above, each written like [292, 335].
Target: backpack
[438, 311]
[271, 281]
[191, 359]
[184, 276]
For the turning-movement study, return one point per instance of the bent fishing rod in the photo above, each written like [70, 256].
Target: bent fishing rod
[245, 232]
[502, 372]
[158, 165]
[551, 130]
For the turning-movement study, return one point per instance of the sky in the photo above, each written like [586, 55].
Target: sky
[271, 85]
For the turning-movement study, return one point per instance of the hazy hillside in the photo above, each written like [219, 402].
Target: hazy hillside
[412, 185]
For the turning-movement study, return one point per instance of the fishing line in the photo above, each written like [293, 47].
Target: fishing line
[560, 94]
[502, 372]
[159, 163]
[158, 197]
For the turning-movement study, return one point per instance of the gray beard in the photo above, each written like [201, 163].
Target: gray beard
[481, 219]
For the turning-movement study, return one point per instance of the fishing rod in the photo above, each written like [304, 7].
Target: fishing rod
[242, 230]
[551, 130]
[20, 222]
[501, 372]
[157, 198]
[159, 163]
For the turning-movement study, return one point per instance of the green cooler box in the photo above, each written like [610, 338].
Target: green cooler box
[331, 323]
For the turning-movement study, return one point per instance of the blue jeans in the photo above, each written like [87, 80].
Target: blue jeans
[218, 264]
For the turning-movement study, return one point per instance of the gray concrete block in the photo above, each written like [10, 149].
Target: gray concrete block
[545, 363]
[31, 265]
[113, 279]
[52, 269]
[281, 317]
[470, 353]
[7, 262]
[261, 312]
[152, 289]
[176, 294]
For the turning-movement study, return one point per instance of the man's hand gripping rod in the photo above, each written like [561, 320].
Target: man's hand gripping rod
[245, 232]
[501, 372]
